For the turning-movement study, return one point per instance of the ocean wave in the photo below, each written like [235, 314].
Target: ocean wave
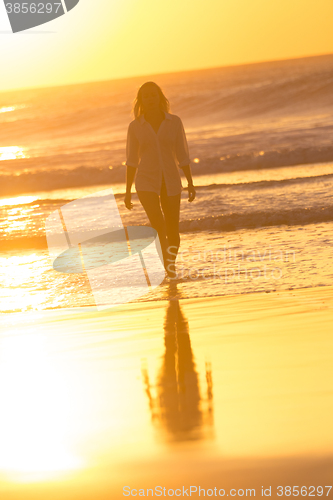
[222, 223]
[215, 94]
[235, 221]
[283, 157]
[13, 184]
[268, 183]
[33, 182]
[292, 92]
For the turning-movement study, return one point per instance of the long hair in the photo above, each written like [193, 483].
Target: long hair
[138, 107]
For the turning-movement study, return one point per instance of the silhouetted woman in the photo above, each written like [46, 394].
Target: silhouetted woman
[156, 150]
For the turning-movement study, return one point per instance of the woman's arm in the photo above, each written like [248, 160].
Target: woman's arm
[130, 174]
[184, 160]
[132, 162]
[188, 174]
[190, 187]
[181, 146]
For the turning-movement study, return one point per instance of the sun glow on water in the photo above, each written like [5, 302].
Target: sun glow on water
[12, 153]
[64, 412]
[18, 200]
[7, 110]
[34, 422]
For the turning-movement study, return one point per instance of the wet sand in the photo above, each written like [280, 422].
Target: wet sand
[228, 392]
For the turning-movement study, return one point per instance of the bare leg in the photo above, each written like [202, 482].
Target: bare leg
[171, 209]
[151, 204]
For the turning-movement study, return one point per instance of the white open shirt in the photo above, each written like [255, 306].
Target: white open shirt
[152, 154]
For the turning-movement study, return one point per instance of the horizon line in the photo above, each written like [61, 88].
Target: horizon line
[133, 77]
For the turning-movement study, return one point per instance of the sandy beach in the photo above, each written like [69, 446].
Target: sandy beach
[212, 123]
[225, 392]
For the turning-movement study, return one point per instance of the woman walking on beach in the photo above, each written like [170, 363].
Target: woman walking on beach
[156, 150]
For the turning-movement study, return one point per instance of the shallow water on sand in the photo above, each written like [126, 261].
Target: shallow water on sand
[210, 263]
[215, 393]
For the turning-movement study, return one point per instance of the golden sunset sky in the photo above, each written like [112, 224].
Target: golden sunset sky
[106, 39]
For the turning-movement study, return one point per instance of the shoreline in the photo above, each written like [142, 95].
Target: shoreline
[257, 374]
[173, 294]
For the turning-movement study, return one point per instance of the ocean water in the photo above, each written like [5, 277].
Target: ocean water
[262, 161]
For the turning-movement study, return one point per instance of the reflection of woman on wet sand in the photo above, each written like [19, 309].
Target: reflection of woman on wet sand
[156, 149]
[178, 405]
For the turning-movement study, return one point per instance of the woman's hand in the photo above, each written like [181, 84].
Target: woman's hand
[191, 192]
[127, 201]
